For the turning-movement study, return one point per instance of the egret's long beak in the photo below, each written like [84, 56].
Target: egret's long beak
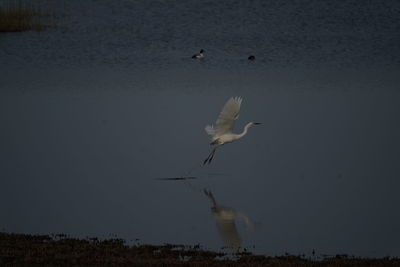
[256, 123]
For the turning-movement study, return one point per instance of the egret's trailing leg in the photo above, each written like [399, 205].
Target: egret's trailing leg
[210, 156]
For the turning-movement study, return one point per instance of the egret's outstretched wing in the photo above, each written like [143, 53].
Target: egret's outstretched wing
[210, 130]
[229, 114]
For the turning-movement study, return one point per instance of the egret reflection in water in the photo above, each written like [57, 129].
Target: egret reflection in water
[225, 219]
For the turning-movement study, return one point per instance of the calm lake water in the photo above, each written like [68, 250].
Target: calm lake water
[86, 136]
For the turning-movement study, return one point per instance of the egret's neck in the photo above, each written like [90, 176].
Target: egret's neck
[245, 130]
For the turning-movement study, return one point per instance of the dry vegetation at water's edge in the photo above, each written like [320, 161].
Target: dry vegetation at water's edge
[43, 250]
[17, 17]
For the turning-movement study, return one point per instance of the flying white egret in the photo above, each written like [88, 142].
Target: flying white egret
[222, 132]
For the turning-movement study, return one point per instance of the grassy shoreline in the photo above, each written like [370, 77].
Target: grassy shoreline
[19, 17]
[44, 250]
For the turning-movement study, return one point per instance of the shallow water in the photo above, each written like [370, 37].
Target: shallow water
[320, 173]
[106, 107]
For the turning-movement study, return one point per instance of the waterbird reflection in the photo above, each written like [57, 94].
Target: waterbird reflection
[226, 225]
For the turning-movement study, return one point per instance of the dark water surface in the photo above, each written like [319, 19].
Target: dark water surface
[93, 117]
[320, 173]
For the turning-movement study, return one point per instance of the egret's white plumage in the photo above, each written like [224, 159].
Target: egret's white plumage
[222, 133]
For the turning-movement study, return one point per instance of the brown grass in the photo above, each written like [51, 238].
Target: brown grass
[36, 250]
[18, 17]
